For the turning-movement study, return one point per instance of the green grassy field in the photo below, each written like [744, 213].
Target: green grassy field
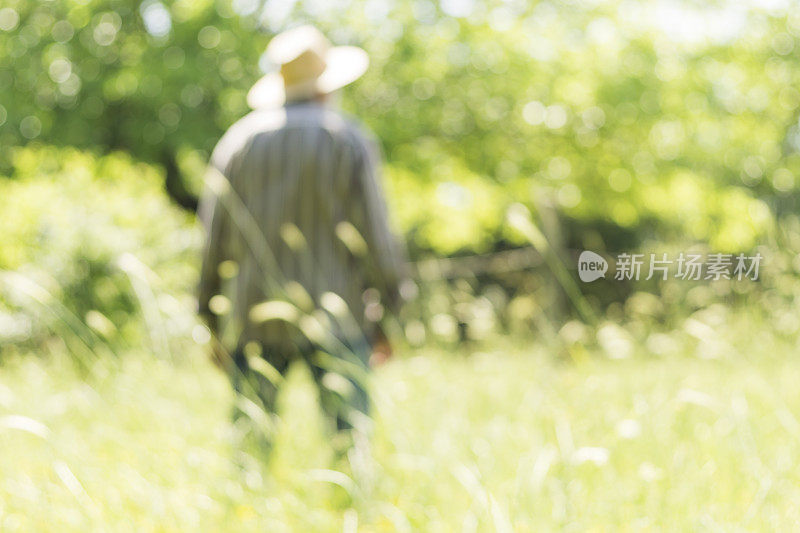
[506, 441]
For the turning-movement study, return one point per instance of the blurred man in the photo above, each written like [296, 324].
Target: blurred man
[300, 263]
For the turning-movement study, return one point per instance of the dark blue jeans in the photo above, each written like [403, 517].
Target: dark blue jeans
[340, 378]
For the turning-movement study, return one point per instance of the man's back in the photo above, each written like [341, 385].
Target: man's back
[304, 209]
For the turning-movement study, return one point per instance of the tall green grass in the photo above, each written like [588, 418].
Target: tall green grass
[502, 440]
[113, 418]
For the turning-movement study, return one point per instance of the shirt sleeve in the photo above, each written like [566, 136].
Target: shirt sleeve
[212, 218]
[389, 256]
[215, 219]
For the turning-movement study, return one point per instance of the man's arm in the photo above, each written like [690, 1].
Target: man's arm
[388, 256]
[214, 217]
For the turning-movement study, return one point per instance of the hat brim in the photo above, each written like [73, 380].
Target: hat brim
[344, 65]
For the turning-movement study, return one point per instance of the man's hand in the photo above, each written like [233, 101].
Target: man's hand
[381, 349]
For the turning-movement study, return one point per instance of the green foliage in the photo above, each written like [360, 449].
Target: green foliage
[602, 110]
[74, 232]
[89, 74]
[603, 113]
[511, 441]
[675, 411]
[463, 212]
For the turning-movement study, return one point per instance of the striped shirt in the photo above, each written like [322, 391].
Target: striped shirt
[293, 211]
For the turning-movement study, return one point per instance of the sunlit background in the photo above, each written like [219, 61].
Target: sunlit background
[520, 398]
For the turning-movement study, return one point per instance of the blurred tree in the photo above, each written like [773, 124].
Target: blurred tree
[126, 75]
[646, 121]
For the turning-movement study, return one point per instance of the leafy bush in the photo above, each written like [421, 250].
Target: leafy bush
[81, 240]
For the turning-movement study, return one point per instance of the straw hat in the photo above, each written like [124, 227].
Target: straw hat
[309, 66]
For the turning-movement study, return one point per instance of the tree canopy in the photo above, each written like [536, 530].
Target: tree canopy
[636, 121]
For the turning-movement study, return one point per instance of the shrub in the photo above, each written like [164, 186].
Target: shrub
[81, 240]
